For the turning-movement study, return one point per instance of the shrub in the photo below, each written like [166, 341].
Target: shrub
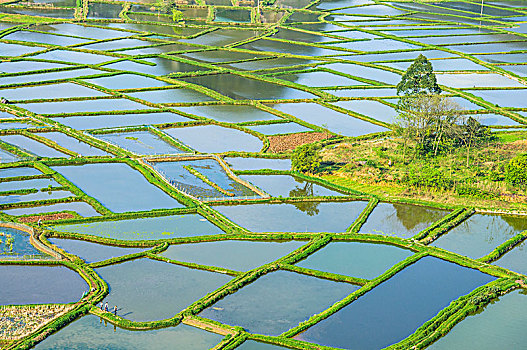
[305, 159]
[516, 171]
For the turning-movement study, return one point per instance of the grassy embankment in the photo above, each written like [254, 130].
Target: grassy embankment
[380, 167]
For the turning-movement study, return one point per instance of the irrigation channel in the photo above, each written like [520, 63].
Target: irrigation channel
[144, 163]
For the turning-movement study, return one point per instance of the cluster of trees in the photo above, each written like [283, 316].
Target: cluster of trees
[170, 7]
[306, 159]
[434, 122]
[516, 171]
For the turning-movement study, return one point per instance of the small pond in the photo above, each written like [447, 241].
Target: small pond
[364, 260]
[33, 146]
[163, 227]
[16, 242]
[395, 309]
[82, 106]
[92, 252]
[240, 163]
[499, 326]
[337, 122]
[81, 208]
[480, 234]
[91, 332]
[279, 128]
[180, 176]
[165, 289]
[288, 186]
[113, 121]
[73, 144]
[308, 216]
[241, 88]
[216, 139]
[233, 255]
[141, 142]
[229, 113]
[111, 184]
[401, 220]
[40, 285]
[277, 301]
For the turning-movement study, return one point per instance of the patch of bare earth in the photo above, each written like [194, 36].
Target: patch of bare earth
[283, 143]
[48, 217]
[520, 145]
[17, 322]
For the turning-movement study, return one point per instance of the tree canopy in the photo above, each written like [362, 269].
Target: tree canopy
[516, 171]
[419, 78]
[305, 159]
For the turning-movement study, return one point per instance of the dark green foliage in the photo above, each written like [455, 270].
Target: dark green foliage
[428, 177]
[305, 159]
[419, 79]
[516, 171]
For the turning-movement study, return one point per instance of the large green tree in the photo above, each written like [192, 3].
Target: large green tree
[419, 78]
[430, 120]
[305, 159]
[516, 171]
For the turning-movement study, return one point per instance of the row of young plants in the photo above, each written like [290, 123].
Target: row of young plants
[206, 180]
[503, 248]
[325, 275]
[191, 265]
[363, 216]
[444, 225]
[280, 199]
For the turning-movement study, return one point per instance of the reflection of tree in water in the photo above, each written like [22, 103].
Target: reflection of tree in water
[306, 191]
[310, 208]
[411, 216]
[516, 222]
[489, 228]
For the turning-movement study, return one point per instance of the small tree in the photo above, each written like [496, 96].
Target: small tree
[472, 133]
[177, 15]
[516, 171]
[305, 159]
[419, 78]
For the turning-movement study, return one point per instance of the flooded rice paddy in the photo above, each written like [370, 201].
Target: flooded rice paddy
[111, 119]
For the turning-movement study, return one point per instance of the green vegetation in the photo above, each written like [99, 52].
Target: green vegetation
[516, 171]
[266, 72]
[305, 159]
[419, 79]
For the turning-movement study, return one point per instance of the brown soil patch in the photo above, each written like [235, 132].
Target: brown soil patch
[282, 143]
[208, 326]
[48, 217]
[516, 145]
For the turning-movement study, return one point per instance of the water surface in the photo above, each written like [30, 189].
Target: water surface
[499, 326]
[288, 186]
[309, 216]
[40, 285]
[90, 332]
[233, 255]
[480, 234]
[216, 139]
[92, 252]
[364, 260]
[163, 227]
[396, 308]
[277, 301]
[401, 220]
[111, 183]
[146, 290]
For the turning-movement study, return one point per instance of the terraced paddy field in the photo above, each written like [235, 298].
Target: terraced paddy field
[146, 193]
